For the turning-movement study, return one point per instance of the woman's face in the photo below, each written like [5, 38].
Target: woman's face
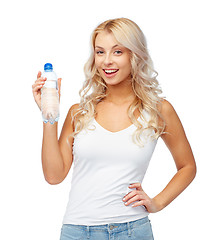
[111, 59]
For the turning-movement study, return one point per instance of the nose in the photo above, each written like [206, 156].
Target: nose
[108, 59]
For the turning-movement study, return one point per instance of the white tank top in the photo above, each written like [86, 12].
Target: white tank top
[104, 165]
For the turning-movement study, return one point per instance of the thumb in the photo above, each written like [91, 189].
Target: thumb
[59, 86]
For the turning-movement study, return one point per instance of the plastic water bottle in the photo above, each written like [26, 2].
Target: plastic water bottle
[50, 96]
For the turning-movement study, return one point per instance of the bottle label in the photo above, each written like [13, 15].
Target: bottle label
[50, 84]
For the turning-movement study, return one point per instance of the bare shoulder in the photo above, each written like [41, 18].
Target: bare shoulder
[175, 132]
[73, 108]
[71, 112]
[166, 108]
[168, 113]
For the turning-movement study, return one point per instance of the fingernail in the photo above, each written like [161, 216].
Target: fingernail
[123, 199]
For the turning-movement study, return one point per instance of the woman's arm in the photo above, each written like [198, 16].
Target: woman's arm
[57, 154]
[178, 145]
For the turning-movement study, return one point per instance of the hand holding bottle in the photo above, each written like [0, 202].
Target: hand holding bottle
[46, 98]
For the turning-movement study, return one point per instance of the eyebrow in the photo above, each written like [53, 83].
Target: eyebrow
[111, 48]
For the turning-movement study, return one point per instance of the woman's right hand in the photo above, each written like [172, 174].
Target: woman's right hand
[36, 88]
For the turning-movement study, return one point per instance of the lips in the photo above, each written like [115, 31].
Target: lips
[110, 72]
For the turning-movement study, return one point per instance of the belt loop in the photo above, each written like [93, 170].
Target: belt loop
[129, 229]
[88, 233]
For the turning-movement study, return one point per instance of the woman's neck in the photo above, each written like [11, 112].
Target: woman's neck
[119, 95]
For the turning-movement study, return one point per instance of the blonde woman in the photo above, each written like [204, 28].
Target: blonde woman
[110, 137]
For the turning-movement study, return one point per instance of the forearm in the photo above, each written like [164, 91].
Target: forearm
[52, 163]
[178, 183]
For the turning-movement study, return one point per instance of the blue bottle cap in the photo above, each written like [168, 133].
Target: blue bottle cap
[48, 67]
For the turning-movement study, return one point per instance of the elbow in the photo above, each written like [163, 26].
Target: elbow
[192, 169]
[189, 172]
[52, 180]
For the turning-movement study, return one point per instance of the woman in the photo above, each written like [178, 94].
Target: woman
[110, 136]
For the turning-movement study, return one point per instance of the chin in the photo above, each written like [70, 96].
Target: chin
[111, 83]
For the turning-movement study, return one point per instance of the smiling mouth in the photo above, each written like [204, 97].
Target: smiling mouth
[110, 71]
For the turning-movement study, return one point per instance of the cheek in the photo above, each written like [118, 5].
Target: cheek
[125, 63]
[97, 63]
[127, 68]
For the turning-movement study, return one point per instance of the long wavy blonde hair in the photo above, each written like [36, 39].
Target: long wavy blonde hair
[144, 82]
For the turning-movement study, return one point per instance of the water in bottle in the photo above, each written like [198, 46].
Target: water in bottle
[50, 96]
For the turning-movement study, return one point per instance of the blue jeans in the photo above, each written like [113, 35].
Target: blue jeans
[135, 230]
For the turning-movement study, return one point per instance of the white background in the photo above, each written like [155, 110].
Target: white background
[36, 32]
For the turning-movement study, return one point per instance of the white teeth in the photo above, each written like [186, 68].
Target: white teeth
[110, 71]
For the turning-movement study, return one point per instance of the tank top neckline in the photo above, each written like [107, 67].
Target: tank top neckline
[116, 132]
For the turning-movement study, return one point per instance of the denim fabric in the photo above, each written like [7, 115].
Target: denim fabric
[135, 230]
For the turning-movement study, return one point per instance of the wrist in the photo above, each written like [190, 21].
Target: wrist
[158, 204]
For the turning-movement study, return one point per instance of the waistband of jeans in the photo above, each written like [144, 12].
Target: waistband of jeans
[113, 226]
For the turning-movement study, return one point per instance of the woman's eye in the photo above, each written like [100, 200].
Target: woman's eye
[118, 52]
[99, 52]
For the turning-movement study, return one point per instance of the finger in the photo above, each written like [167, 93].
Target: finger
[36, 88]
[139, 203]
[136, 185]
[59, 82]
[130, 195]
[133, 199]
[40, 82]
[59, 85]
[39, 74]
[41, 79]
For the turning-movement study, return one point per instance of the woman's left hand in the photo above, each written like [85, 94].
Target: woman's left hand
[141, 199]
